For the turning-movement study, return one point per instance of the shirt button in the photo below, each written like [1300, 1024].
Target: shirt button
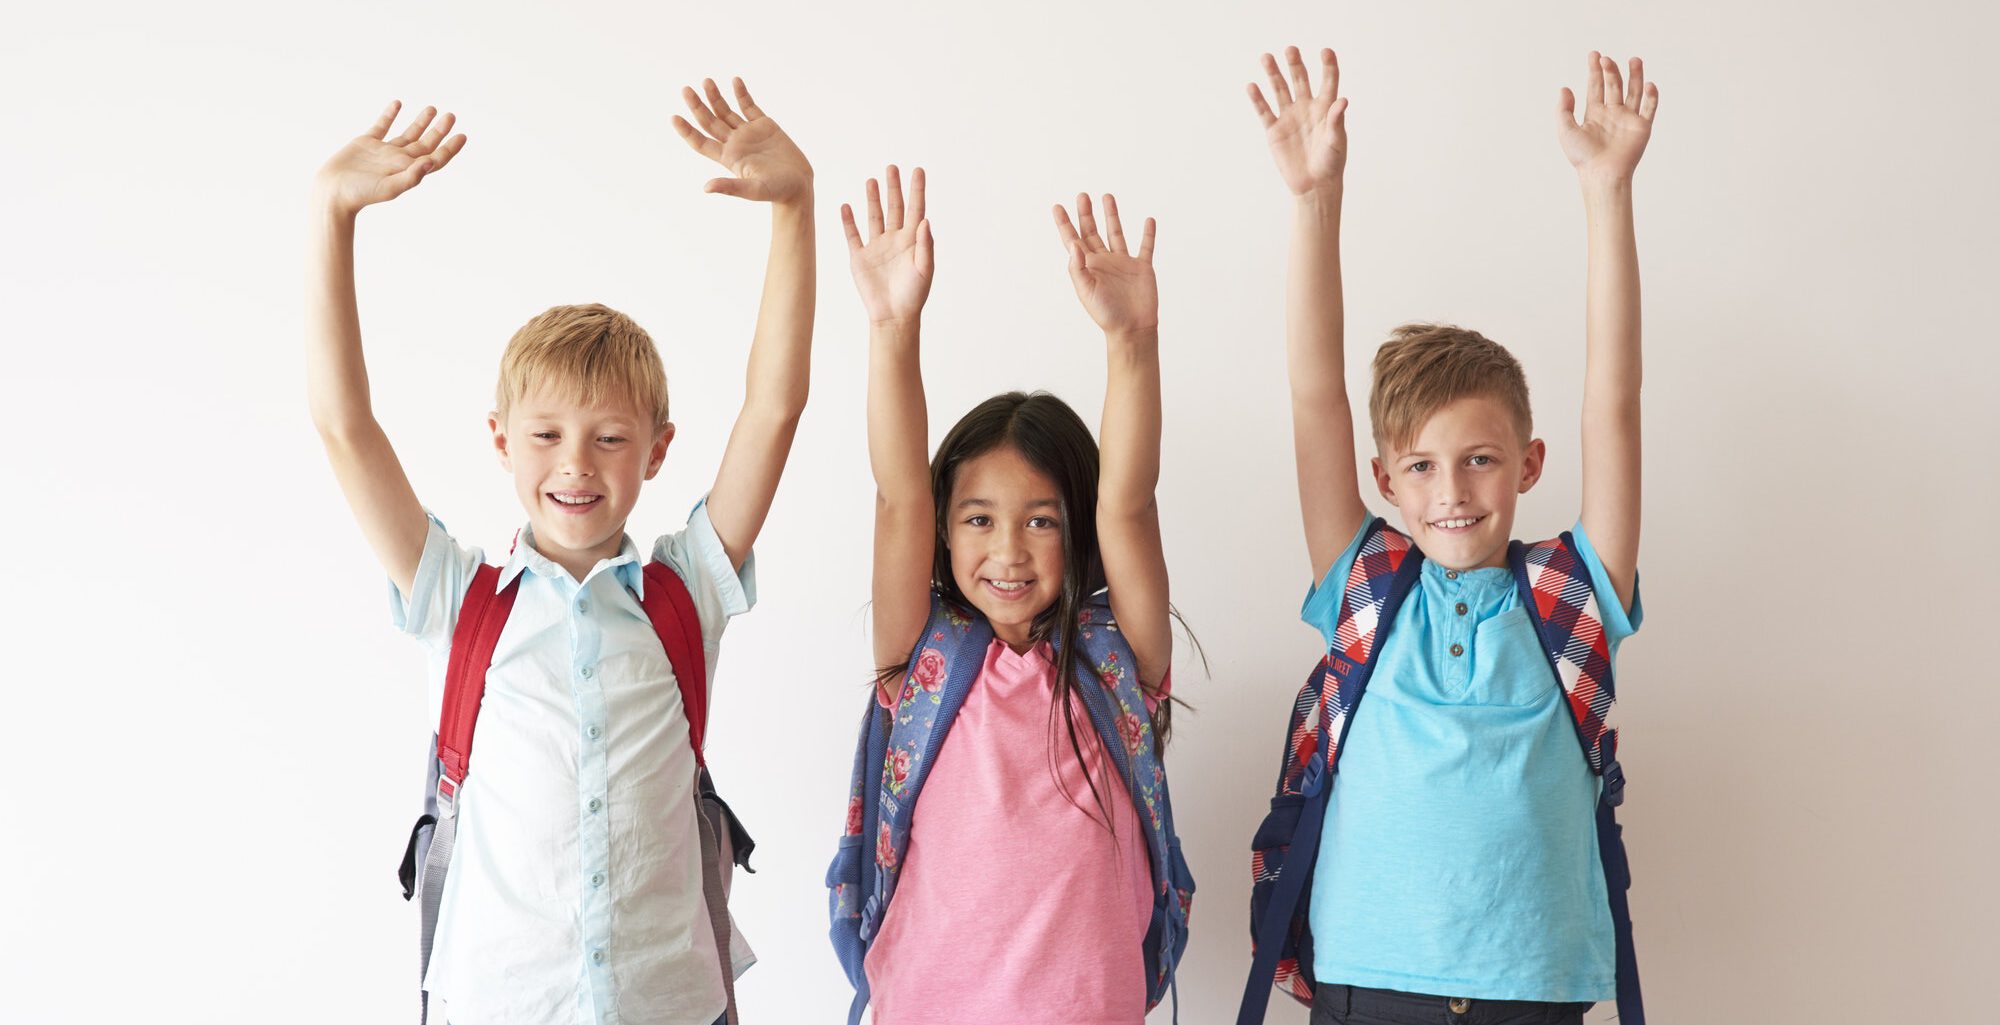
[1451, 574]
[1460, 1005]
[1457, 650]
[597, 880]
[597, 956]
[1459, 608]
[593, 732]
[595, 804]
[583, 606]
[586, 672]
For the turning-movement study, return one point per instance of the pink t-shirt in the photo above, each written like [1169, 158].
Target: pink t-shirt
[1015, 906]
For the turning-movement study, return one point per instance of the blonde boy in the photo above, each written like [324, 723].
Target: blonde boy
[1458, 875]
[575, 893]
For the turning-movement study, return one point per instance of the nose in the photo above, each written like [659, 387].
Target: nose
[1453, 489]
[1009, 547]
[576, 458]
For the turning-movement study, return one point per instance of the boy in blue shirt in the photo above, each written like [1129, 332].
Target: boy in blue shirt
[576, 890]
[1458, 877]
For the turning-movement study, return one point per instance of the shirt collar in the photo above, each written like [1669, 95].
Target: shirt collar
[625, 564]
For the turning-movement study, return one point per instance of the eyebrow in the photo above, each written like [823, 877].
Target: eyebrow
[985, 503]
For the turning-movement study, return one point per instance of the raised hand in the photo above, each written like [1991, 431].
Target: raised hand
[375, 169]
[1117, 289]
[1307, 134]
[1617, 120]
[766, 165]
[893, 268]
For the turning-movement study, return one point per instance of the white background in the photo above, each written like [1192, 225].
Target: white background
[212, 737]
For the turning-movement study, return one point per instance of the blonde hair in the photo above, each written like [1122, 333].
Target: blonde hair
[1423, 368]
[584, 354]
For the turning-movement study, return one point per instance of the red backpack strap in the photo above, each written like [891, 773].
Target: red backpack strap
[671, 608]
[480, 620]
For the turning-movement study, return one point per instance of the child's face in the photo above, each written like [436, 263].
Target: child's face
[577, 470]
[1457, 483]
[1004, 531]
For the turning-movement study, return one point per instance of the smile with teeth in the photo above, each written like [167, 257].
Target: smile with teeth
[574, 499]
[1456, 524]
[1008, 586]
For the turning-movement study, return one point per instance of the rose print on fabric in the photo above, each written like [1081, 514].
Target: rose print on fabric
[1132, 730]
[885, 852]
[854, 815]
[929, 673]
[897, 766]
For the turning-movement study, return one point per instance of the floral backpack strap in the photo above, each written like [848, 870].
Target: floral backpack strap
[900, 746]
[1287, 843]
[1108, 682]
[1556, 587]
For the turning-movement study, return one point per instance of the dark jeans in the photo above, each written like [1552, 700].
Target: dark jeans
[1355, 1005]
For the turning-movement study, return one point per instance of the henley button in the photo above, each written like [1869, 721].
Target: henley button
[1457, 650]
[595, 804]
[1460, 608]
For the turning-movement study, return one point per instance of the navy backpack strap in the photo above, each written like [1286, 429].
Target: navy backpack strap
[1384, 571]
[1556, 587]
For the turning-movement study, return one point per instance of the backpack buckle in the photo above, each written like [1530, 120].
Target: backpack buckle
[1315, 775]
[869, 912]
[1614, 784]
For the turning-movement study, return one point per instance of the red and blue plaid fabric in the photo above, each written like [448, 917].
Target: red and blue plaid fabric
[1565, 608]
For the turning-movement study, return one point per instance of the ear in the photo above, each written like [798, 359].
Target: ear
[499, 439]
[659, 453]
[1531, 464]
[1382, 479]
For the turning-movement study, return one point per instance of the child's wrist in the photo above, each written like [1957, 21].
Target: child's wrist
[1133, 338]
[1320, 200]
[1605, 182]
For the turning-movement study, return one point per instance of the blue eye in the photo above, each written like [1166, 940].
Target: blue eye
[610, 439]
[1420, 467]
[1482, 460]
[545, 435]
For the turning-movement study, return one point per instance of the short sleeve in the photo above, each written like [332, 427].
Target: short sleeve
[1619, 621]
[720, 592]
[1322, 605]
[429, 612]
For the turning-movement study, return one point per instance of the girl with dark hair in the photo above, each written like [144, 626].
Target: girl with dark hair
[1019, 523]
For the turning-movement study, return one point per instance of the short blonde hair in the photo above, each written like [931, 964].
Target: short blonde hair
[1423, 368]
[584, 354]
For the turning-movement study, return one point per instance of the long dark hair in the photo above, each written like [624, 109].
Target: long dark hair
[1054, 440]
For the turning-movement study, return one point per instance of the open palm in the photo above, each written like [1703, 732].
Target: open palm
[1307, 133]
[1617, 119]
[374, 169]
[1117, 288]
[892, 268]
[765, 164]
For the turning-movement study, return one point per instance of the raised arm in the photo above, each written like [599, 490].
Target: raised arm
[1308, 138]
[892, 271]
[370, 169]
[766, 167]
[1605, 149]
[1120, 293]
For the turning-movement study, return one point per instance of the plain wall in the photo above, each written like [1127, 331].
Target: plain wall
[211, 738]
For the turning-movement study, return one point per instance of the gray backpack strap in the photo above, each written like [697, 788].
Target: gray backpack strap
[430, 888]
[715, 866]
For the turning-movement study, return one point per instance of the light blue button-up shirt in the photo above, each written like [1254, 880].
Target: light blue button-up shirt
[1459, 856]
[575, 886]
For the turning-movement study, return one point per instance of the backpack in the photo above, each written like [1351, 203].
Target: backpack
[896, 750]
[1555, 587]
[724, 842]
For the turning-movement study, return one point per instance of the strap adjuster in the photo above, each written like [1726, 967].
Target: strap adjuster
[1614, 784]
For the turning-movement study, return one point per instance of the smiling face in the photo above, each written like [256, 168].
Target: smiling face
[1458, 479]
[577, 470]
[1003, 528]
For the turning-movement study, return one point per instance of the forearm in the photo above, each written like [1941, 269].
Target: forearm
[779, 368]
[1129, 443]
[898, 423]
[1315, 330]
[1611, 318]
[336, 374]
